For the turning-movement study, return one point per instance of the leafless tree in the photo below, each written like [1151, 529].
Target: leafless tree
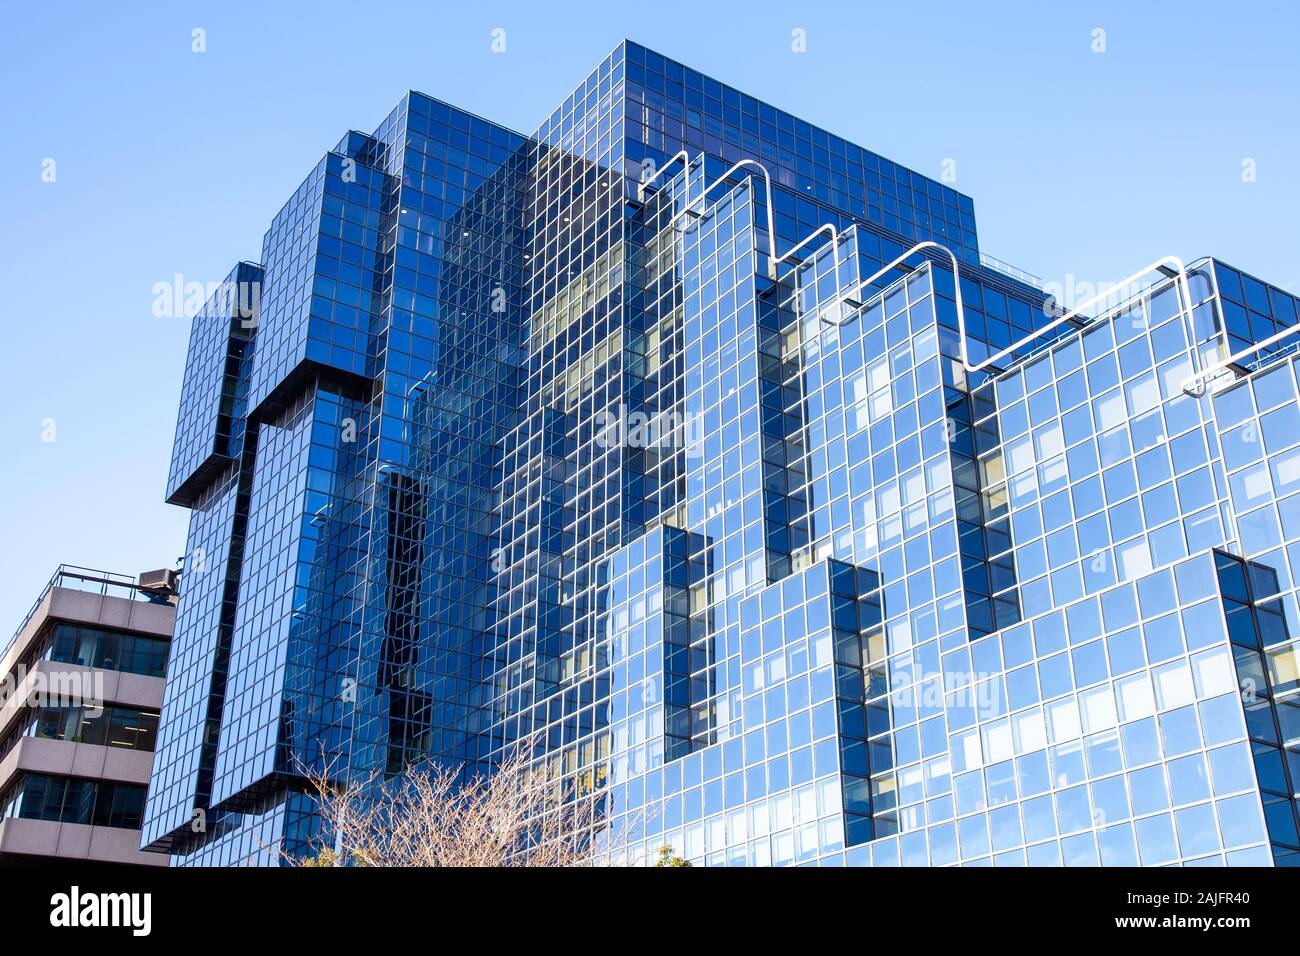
[519, 815]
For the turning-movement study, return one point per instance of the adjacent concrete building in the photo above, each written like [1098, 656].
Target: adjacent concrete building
[81, 686]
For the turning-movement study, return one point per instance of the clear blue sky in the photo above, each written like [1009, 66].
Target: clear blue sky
[167, 161]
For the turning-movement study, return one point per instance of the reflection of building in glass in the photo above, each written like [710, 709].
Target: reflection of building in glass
[928, 570]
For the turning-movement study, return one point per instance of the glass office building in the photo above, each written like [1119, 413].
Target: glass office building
[705, 454]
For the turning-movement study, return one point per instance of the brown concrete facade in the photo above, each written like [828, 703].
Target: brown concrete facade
[25, 680]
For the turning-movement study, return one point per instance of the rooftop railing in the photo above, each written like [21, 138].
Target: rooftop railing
[1006, 268]
[83, 579]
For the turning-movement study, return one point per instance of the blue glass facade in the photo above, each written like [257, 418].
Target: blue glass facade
[778, 554]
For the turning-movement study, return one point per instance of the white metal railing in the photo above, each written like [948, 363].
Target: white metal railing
[1006, 268]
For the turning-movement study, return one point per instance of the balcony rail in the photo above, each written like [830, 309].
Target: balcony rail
[1006, 268]
[82, 579]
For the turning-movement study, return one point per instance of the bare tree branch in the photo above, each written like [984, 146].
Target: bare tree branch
[522, 814]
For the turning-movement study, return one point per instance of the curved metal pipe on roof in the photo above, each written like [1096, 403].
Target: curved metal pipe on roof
[686, 165]
[1198, 382]
[773, 260]
[1181, 284]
